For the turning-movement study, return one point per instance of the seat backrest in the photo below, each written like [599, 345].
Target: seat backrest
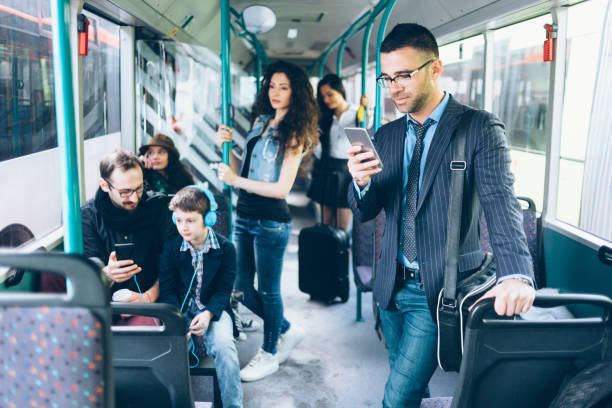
[222, 226]
[530, 226]
[522, 363]
[367, 238]
[362, 252]
[55, 348]
[151, 363]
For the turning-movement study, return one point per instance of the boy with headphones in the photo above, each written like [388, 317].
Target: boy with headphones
[197, 272]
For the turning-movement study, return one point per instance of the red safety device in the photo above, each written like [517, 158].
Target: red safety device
[83, 30]
[549, 44]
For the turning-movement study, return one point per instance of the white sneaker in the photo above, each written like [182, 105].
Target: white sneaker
[288, 341]
[262, 365]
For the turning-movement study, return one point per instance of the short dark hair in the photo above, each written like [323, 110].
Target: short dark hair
[410, 35]
[118, 159]
[190, 199]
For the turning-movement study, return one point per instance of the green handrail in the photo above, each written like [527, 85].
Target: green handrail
[260, 52]
[344, 37]
[226, 92]
[381, 34]
[66, 129]
[365, 48]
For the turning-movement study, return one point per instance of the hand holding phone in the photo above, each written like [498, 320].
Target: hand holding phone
[363, 160]
[120, 266]
[360, 137]
[124, 251]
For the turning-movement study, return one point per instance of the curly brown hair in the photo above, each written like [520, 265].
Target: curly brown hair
[299, 126]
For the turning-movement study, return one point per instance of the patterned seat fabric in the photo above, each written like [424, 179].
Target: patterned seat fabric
[442, 402]
[50, 357]
[363, 247]
[531, 232]
[363, 239]
[222, 226]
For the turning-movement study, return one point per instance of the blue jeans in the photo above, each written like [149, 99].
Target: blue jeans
[221, 346]
[260, 248]
[411, 337]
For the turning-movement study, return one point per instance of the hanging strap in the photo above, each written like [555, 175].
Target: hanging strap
[458, 166]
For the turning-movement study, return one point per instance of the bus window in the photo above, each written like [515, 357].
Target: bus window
[585, 192]
[101, 83]
[520, 98]
[27, 112]
[463, 74]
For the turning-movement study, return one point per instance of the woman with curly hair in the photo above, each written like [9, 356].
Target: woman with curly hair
[285, 129]
[163, 171]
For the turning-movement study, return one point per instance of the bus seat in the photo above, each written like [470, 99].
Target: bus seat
[531, 228]
[366, 237]
[523, 363]
[222, 226]
[151, 364]
[56, 347]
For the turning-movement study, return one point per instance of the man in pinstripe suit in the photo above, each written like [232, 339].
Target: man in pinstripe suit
[413, 189]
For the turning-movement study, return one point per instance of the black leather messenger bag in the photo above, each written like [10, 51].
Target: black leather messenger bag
[455, 298]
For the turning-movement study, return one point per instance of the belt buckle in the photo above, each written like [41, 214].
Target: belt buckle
[407, 273]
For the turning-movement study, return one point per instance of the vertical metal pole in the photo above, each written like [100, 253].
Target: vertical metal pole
[358, 315]
[258, 73]
[381, 33]
[323, 58]
[556, 90]
[339, 56]
[66, 131]
[364, 58]
[226, 92]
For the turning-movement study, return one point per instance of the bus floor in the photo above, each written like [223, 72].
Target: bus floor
[340, 363]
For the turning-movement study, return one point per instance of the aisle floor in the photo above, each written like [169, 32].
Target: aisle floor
[340, 363]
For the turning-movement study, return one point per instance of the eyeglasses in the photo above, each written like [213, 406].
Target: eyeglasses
[127, 193]
[400, 80]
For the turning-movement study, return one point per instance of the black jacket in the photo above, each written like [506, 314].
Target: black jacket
[219, 272]
[148, 227]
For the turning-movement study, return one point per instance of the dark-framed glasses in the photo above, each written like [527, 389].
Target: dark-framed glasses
[127, 193]
[400, 80]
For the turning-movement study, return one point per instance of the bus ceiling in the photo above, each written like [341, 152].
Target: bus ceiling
[304, 30]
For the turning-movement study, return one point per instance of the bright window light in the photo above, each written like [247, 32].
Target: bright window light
[292, 33]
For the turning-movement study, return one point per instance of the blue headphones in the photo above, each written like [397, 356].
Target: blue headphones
[210, 218]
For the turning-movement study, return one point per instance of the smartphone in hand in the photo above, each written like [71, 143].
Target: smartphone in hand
[361, 137]
[124, 251]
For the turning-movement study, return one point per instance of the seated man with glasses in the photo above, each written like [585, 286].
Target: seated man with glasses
[120, 213]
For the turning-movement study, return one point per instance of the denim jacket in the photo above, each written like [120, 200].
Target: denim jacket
[267, 154]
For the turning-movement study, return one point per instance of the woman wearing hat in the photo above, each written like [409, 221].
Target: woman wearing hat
[163, 171]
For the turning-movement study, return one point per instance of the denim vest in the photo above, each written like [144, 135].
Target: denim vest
[267, 154]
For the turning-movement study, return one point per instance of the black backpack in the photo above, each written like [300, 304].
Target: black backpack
[590, 388]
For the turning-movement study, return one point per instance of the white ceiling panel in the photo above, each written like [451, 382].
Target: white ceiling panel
[159, 5]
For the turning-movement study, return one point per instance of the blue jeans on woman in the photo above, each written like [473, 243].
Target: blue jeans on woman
[411, 337]
[260, 248]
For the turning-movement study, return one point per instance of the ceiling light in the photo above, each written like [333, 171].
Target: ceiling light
[258, 19]
[292, 33]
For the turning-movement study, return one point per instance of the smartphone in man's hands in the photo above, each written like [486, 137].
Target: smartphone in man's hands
[124, 251]
[361, 137]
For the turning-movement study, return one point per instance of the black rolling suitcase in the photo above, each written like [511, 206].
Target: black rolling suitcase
[324, 263]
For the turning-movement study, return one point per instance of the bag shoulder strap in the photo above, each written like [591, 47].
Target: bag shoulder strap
[458, 166]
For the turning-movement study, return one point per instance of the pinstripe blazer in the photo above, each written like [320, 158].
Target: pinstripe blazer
[488, 185]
